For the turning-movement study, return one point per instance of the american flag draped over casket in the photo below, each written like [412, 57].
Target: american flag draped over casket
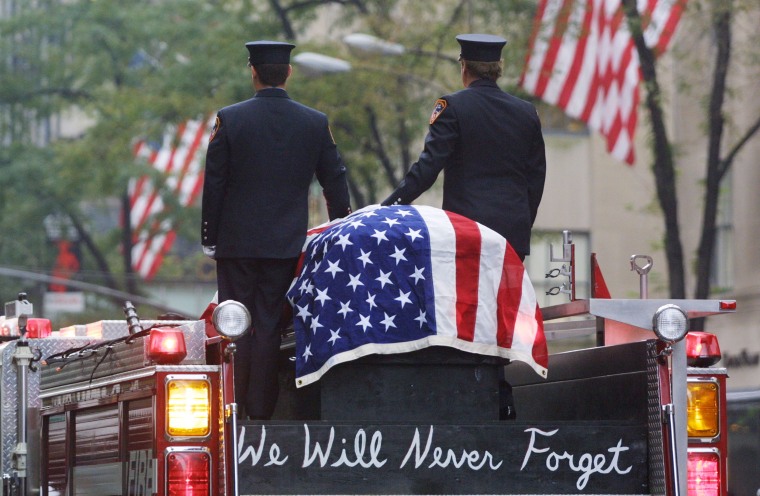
[401, 278]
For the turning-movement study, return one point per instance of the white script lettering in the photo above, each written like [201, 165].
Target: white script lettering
[255, 454]
[587, 464]
[474, 459]
[360, 447]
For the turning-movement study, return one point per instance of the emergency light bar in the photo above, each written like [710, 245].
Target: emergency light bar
[35, 328]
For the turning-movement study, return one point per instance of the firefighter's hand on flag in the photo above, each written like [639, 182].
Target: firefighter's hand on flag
[209, 251]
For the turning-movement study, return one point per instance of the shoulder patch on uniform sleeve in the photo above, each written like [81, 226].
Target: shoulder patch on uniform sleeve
[217, 125]
[440, 106]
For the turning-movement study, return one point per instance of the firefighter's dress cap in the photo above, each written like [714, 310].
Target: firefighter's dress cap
[269, 52]
[481, 47]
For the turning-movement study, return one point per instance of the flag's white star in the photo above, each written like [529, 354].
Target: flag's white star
[369, 213]
[308, 287]
[315, 324]
[379, 235]
[345, 308]
[303, 312]
[398, 254]
[417, 275]
[388, 321]
[343, 241]
[334, 336]
[307, 353]
[304, 285]
[371, 300]
[390, 222]
[364, 322]
[317, 265]
[385, 278]
[333, 268]
[364, 257]
[354, 282]
[403, 298]
[414, 234]
[356, 223]
[403, 212]
[322, 296]
[422, 319]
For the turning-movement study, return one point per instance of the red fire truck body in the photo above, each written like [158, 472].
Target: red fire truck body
[126, 407]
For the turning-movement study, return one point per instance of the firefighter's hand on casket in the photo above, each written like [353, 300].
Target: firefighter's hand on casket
[209, 251]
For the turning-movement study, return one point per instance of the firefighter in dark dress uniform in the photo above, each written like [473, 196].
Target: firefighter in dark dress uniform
[262, 156]
[489, 145]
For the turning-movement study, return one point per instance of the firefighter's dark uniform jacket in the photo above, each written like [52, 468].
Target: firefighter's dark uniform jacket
[260, 162]
[490, 147]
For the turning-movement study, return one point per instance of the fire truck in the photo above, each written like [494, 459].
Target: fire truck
[146, 407]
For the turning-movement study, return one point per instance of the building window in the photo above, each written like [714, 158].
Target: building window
[722, 267]
[554, 120]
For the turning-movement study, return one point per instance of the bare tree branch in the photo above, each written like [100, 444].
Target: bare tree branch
[664, 170]
[282, 13]
[379, 147]
[722, 17]
[726, 162]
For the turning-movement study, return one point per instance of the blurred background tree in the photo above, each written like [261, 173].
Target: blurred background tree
[82, 80]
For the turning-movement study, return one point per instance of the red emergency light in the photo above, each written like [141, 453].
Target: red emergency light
[727, 304]
[704, 473]
[38, 328]
[166, 345]
[188, 473]
[35, 328]
[702, 349]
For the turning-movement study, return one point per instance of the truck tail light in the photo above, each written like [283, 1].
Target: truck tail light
[704, 473]
[188, 406]
[188, 472]
[702, 349]
[166, 345]
[702, 409]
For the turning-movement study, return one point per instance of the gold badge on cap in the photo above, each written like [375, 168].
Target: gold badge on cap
[440, 106]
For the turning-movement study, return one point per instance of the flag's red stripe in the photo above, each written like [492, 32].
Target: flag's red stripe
[537, 22]
[138, 258]
[152, 208]
[670, 27]
[540, 351]
[198, 183]
[578, 60]
[468, 242]
[508, 298]
[164, 249]
[560, 27]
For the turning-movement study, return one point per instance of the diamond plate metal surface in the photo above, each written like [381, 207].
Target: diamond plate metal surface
[121, 358]
[654, 409]
[9, 393]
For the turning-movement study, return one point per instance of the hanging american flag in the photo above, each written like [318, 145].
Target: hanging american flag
[179, 160]
[401, 278]
[583, 60]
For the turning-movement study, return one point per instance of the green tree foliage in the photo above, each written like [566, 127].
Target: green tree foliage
[81, 80]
